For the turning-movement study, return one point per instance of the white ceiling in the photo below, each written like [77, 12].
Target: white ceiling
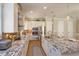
[58, 9]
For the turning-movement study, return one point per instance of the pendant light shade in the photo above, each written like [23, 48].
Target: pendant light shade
[67, 17]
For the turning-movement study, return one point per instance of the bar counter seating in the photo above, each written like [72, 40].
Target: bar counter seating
[7, 39]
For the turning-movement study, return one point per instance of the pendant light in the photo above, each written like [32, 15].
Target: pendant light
[44, 7]
[68, 17]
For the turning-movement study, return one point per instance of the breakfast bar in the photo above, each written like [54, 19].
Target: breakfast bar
[18, 48]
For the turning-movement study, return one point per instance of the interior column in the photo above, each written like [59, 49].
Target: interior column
[0, 20]
[9, 23]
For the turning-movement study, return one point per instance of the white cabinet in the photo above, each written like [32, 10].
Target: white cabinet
[50, 49]
[70, 28]
[63, 27]
[44, 45]
[53, 50]
[25, 41]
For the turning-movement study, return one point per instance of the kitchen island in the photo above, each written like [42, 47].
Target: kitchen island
[58, 47]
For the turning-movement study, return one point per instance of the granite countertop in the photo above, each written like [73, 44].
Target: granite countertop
[64, 45]
[14, 50]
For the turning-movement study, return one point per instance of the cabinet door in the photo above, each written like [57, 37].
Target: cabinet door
[60, 27]
[46, 46]
[70, 28]
[54, 51]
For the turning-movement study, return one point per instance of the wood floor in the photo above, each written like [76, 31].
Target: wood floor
[33, 43]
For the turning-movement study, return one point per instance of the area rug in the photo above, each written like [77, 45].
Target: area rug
[37, 51]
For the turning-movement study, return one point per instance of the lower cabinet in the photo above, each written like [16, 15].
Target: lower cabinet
[49, 49]
[25, 40]
[53, 51]
[45, 46]
[25, 49]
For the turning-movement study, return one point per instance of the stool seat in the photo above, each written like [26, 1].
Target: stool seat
[5, 44]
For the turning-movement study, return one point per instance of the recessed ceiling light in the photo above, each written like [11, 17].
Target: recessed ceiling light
[31, 11]
[44, 8]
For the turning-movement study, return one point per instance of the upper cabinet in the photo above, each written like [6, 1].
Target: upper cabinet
[63, 27]
[58, 26]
